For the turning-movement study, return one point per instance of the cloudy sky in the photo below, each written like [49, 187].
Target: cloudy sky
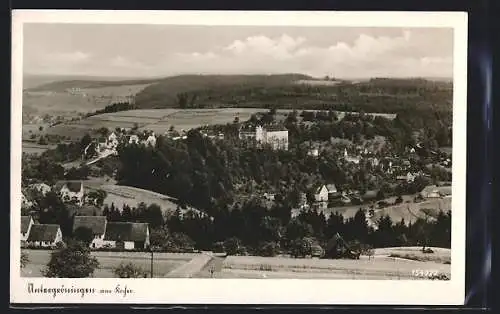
[164, 50]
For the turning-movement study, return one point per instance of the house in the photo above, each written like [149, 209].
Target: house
[71, 191]
[127, 235]
[42, 235]
[95, 223]
[151, 140]
[112, 141]
[321, 194]
[133, 139]
[26, 224]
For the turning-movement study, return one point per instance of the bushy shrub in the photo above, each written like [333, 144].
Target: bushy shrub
[129, 270]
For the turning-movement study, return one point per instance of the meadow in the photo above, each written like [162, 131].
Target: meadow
[163, 263]
[381, 266]
[121, 195]
[198, 265]
[160, 120]
[71, 104]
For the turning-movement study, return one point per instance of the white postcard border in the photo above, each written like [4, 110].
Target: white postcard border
[252, 291]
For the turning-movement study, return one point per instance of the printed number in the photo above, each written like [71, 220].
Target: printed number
[424, 273]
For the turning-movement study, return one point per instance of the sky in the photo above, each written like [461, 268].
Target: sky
[166, 50]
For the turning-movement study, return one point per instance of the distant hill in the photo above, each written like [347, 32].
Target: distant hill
[281, 91]
[48, 82]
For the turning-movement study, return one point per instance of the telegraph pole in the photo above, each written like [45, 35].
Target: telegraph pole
[151, 249]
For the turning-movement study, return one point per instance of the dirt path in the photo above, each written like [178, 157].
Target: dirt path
[213, 268]
[191, 268]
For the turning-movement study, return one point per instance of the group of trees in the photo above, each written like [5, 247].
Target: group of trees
[114, 107]
[283, 92]
[254, 229]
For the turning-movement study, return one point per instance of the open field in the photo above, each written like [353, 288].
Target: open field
[120, 195]
[34, 148]
[408, 211]
[163, 263]
[380, 267]
[199, 265]
[79, 101]
[318, 82]
[440, 255]
[160, 120]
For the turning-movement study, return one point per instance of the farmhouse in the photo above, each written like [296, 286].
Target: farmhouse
[127, 235]
[71, 191]
[26, 224]
[42, 235]
[95, 223]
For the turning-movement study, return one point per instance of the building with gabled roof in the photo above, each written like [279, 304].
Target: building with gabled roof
[127, 235]
[44, 235]
[95, 223]
[71, 191]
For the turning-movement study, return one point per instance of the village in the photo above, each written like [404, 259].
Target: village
[325, 197]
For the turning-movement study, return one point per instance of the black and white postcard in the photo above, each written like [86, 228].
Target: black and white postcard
[199, 157]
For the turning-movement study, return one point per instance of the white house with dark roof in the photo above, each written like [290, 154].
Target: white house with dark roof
[95, 223]
[44, 235]
[127, 235]
[71, 191]
[321, 194]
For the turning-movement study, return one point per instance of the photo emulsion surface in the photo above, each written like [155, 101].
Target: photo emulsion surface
[236, 152]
